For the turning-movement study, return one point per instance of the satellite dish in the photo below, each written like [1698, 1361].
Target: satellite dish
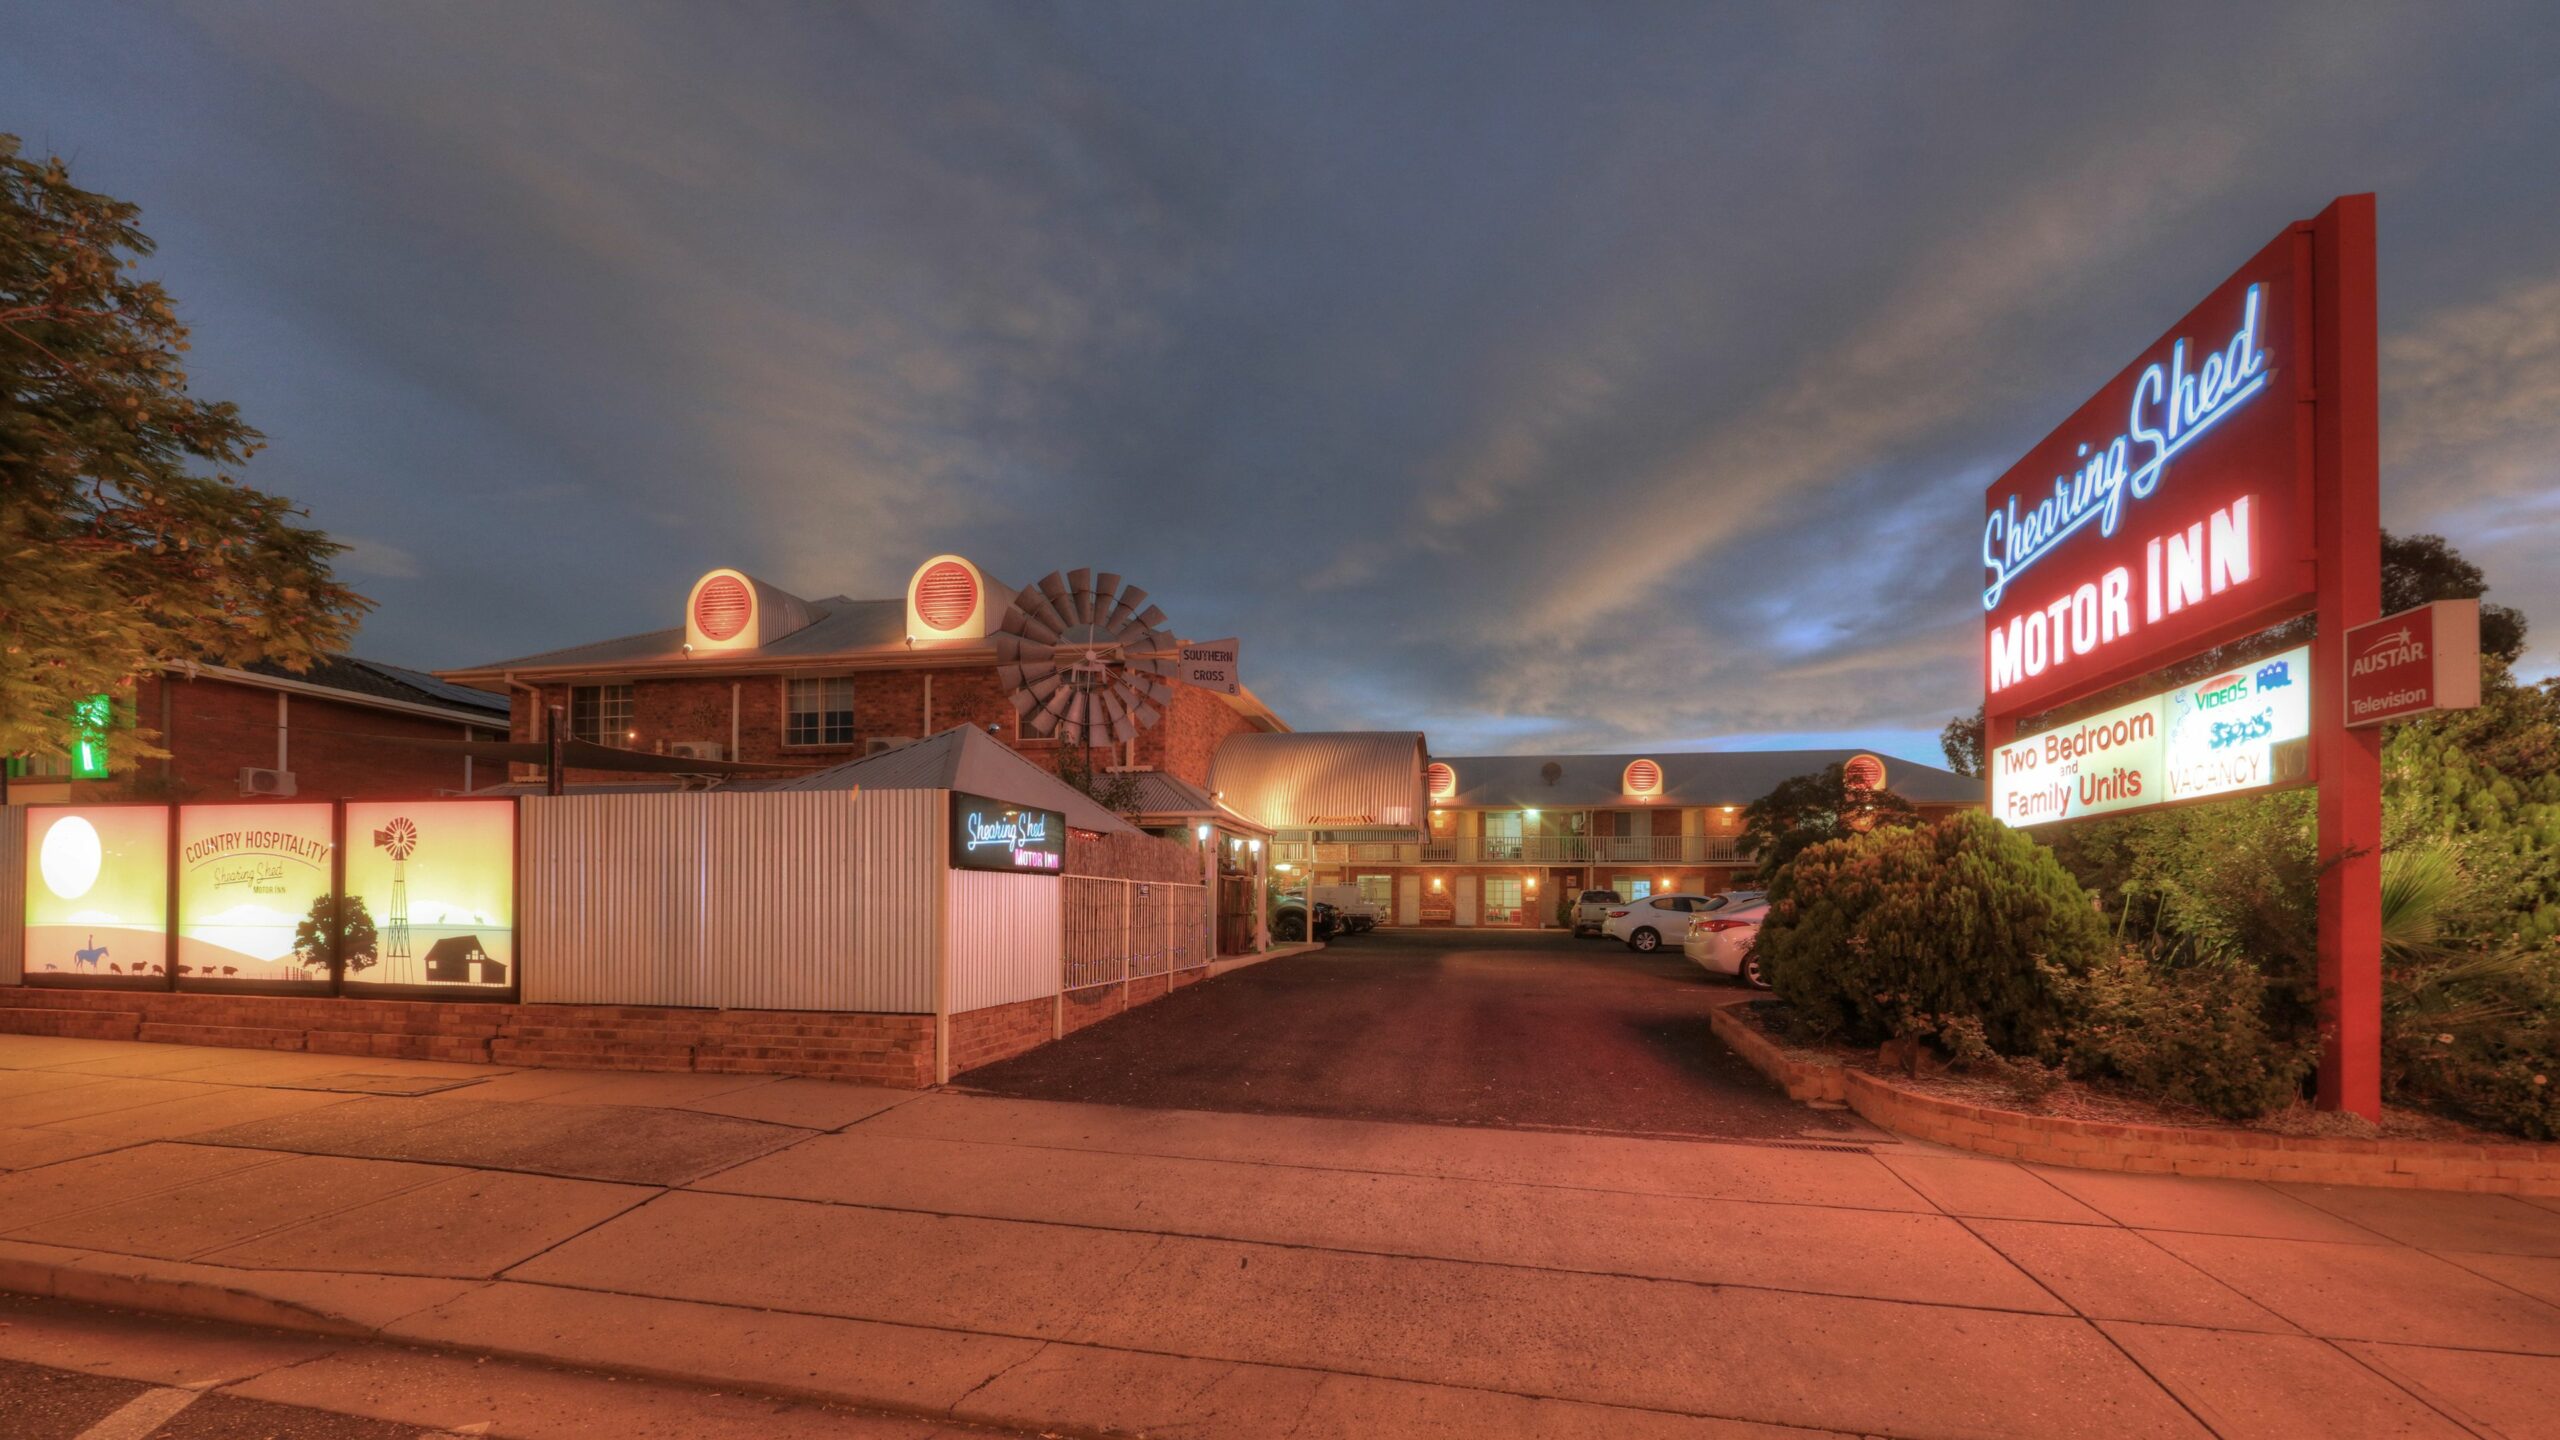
[1085, 659]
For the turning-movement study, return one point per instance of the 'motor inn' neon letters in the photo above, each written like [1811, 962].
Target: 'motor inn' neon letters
[2170, 409]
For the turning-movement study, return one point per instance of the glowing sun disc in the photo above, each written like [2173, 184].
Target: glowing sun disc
[70, 857]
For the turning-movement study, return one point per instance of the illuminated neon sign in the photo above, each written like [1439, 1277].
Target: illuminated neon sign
[996, 835]
[90, 720]
[2240, 730]
[2187, 406]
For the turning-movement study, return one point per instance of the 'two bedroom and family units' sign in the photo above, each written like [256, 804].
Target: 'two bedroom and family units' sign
[390, 894]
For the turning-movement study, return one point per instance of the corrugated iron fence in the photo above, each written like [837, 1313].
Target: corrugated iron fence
[13, 892]
[820, 900]
[1121, 930]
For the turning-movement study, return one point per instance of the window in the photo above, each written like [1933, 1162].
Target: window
[818, 712]
[1379, 890]
[1502, 834]
[1634, 887]
[1501, 900]
[600, 713]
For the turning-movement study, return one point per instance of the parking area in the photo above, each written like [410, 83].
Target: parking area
[1530, 1030]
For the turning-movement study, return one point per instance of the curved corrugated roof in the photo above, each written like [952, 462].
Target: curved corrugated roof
[1343, 779]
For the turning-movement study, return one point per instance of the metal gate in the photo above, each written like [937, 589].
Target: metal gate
[1118, 930]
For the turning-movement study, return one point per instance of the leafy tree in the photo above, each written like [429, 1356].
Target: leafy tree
[2420, 568]
[1117, 792]
[1810, 809]
[1962, 741]
[126, 543]
[318, 934]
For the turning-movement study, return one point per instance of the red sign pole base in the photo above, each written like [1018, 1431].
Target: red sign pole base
[2347, 762]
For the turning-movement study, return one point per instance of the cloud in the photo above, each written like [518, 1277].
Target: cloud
[1593, 377]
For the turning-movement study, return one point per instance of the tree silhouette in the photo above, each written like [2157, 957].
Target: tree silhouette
[357, 944]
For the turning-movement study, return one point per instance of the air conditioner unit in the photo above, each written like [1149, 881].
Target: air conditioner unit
[878, 743]
[695, 749]
[254, 781]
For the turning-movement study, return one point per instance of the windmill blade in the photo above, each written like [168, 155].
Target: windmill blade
[1152, 618]
[1008, 646]
[1080, 595]
[1033, 617]
[1124, 607]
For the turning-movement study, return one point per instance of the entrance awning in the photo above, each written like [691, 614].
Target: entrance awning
[1368, 781]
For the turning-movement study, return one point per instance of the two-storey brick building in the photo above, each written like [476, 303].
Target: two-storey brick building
[756, 674]
[346, 729]
[1505, 838]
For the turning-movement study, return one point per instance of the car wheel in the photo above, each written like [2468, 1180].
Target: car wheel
[1752, 974]
[1645, 941]
[1288, 928]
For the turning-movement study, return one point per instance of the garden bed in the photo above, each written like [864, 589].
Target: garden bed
[2080, 1125]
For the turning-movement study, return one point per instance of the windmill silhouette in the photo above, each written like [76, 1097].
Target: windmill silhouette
[400, 838]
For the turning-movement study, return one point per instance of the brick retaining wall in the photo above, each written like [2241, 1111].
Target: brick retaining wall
[2517, 1169]
[878, 1049]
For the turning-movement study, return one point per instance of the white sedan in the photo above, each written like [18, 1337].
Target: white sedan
[1725, 941]
[1647, 923]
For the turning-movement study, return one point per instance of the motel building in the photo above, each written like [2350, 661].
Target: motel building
[1497, 841]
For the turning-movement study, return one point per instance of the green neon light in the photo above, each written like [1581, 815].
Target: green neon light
[89, 721]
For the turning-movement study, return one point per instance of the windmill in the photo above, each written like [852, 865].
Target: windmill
[1086, 660]
[400, 840]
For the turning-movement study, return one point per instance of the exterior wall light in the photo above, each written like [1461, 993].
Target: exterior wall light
[1203, 833]
[1257, 847]
[1533, 884]
[1435, 882]
[1528, 814]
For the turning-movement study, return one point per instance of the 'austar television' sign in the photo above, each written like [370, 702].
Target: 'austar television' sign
[2170, 513]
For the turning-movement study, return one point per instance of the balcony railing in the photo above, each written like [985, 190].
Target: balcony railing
[1583, 850]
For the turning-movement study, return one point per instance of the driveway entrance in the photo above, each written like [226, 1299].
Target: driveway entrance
[1531, 1030]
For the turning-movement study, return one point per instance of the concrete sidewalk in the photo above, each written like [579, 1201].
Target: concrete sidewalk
[1080, 1269]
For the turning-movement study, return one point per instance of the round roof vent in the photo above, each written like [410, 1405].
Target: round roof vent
[946, 595]
[1862, 772]
[721, 607]
[1442, 780]
[1643, 777]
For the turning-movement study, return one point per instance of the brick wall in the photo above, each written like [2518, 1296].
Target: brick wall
[1000, 1032]
[1188, 737]
[876, 1049]
[214, 728]
[887, 704]
[2518, 1169]
[1092, 1004]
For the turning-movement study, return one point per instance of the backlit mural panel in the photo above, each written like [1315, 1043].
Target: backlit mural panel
[435, 883]
[254, 888]
[97, 891]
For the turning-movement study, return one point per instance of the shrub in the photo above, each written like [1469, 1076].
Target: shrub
[2187, 1034]
[1965, 919]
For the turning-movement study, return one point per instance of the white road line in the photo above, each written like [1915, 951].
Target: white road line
[142, 1414]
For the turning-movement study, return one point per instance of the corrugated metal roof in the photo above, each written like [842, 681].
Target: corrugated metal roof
[1722, 777]
[1172, 797]
[963, 757]
[1344, 779]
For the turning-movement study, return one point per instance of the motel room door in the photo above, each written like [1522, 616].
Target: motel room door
[1408, 899]
[1466, 900]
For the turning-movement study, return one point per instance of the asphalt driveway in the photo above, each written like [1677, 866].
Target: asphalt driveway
[1530, 1030]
